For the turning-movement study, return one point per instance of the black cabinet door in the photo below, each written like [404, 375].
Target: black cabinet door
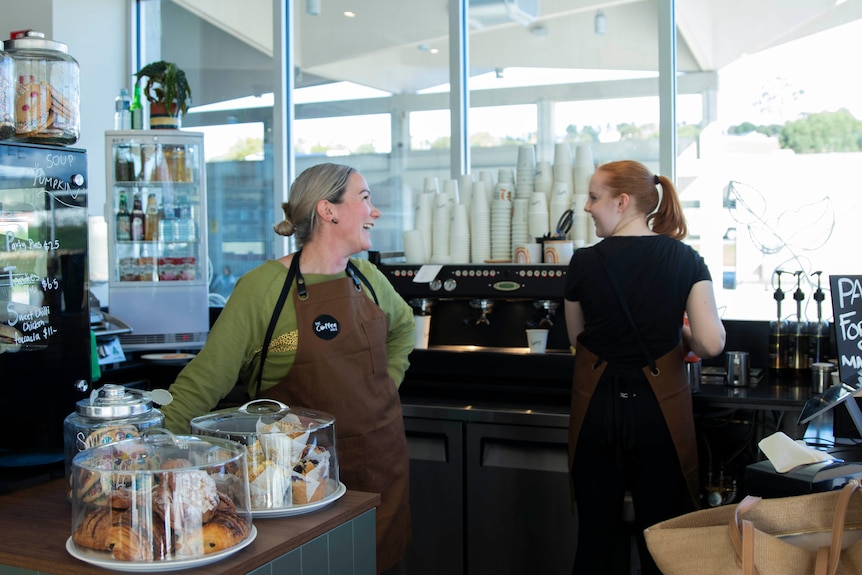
[519, 517]
[436, 496]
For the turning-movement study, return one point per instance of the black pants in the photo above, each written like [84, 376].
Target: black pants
[624, 444]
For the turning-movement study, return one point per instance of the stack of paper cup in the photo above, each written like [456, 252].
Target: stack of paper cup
[488, 178]
[440, 232]
[583, 169]
[450, 190]
[505, 188]
[581, 224]
[526, 171]
[424, 220]
[459, 235]
[561, 200]
[563, 163]
[501, 230]
[544, 180]
[431, 185]
[414, 250]
[537, 216]
[520, 227]
[465, 191]
[480, 224]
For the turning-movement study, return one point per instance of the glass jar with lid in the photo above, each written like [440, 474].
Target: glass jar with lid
[111, 413]
[7, 96]
[47, 90]
[290, 451]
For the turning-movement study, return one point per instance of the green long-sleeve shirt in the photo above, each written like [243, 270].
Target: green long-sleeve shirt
[232, 350]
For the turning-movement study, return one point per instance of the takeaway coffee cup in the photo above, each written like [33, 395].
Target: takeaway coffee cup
[421, 330]
[737, 366]
[558, 251]
[537, 339]
[528, 254]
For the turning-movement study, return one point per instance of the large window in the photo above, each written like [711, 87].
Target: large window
[767, 128]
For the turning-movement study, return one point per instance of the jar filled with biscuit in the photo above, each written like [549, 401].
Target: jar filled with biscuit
[111, 413]
[159, 502]
[47, 90]
[290, 452]
[7, 96]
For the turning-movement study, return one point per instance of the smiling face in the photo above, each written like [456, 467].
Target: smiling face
[356, 215]
[603, 206]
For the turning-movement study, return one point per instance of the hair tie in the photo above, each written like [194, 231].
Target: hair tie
[657, 182]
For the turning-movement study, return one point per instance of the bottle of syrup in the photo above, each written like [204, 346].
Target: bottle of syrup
[137, 219]
[820, 339]
[799, 346]
[123, 223]
[779, 344]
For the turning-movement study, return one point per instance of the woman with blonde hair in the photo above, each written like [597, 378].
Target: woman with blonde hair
[322, 329]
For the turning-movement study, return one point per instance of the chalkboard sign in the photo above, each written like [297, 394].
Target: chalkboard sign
[847, 314]
[44, 313]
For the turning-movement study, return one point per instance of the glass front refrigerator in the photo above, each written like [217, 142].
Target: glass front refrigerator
[157, 238]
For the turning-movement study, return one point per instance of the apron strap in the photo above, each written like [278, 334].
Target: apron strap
[354, 272]
[282, 297]
[624, 304]
[302, 293]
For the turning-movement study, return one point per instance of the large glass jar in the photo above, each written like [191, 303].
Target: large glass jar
[47, 90]
[7, 96]
[111, 413]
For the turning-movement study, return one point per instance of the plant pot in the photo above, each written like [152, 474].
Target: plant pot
[162, 119]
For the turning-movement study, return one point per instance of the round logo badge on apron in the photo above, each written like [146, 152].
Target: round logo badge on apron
[325, 326]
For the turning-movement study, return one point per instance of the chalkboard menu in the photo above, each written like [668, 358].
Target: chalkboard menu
[44, 316]
[847, 314]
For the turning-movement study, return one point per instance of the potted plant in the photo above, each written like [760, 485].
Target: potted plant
[168, 92]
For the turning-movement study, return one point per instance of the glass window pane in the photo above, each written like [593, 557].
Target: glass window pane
[767, 174]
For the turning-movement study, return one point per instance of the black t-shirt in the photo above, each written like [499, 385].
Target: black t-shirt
[655, 273]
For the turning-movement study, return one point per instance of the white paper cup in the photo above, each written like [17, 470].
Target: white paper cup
[537, 339]
[421, 330]
[528, 253]
[558, 251]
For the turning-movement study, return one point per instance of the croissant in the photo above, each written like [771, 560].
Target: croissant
[110, 530]
[223, 531]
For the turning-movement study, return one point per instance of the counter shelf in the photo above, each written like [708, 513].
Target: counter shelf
[35, 523]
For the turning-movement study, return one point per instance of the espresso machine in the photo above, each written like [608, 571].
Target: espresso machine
[476, 307]
[479, 314]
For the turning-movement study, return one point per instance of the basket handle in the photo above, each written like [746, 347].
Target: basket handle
[741, 533]
[832, 554]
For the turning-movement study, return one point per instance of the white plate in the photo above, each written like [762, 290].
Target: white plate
[103, 558]
[300, 509]
[168, 357]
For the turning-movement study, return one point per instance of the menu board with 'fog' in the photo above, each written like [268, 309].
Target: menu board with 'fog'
[44, 315]
[847, 313]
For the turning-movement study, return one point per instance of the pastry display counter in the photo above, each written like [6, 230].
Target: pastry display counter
[36, 523]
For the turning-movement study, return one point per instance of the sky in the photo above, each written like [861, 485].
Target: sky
[817, 65]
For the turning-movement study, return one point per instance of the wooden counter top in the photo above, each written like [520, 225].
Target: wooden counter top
[36, 522]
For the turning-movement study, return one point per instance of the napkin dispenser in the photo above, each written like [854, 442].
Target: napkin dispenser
[762, 480]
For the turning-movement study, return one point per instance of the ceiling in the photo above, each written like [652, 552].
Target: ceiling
[226, 46]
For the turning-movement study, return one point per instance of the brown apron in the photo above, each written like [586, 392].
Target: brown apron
[671, 391]
[341, 368]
